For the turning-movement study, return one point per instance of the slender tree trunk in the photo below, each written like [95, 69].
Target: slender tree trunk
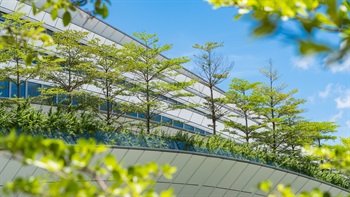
[108, 117]
[148, 115]
[246, 127]
[212, 108]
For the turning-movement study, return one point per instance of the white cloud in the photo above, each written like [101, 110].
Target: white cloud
[303, 62]
[311, 99]
[340, 66]
[336, 116]
[326, 92]
[343, 101]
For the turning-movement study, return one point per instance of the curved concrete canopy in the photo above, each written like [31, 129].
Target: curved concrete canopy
[197, 174]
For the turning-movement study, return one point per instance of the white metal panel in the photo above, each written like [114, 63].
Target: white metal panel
[25, 171]
[324, 187]
[177, 188]
[198, 87]
[39, 16]
[117, 36]
[197, 118]
[222, 169]
[218, 192]
[59, 25]
[189, 169]
[204, 170]
[126, 39]
[276, 177]
[9, 4]
[310, 185]
[334, 191]
[260, 175]
[48, 20]
[204, 191]
[108, 31]
[10, 171]
[100, 27]
[5, 158]
[185, 114]
[149, 156]
[206, 122]
[24, 8]
[179, 162]
[75, 27]
[174, 113]
[232, 175]
[231, 193]
[101, 39]
[298, 183]
[206, 91]
[245, 176]
[195, 99]
[188, 190]
[161, 187]
[90, 23]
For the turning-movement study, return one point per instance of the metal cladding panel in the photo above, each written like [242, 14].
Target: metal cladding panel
[197, 118]
[59, 25]
[218, 192]
[80, 18]
[216, 176]
[343, 193]
[100, 38]
[117, 36]
[100, 27]
[185, 114]
[9, 4]
[245, 177]
[40, 172]
[166, 158]
[39, 16]
[231, 193]
[195, 99]
[324, 187]
[310, 185]
[198, 87]
[26, 170]
[260, 175]
[287, 179]
[174, 112]
[100, 156]
[10, 171]
[204, 171]
[90, 24]
[232, 175]
[5, 158]
[47, 19]
[149, 156]
[108, 31]
[298, 183]
[119, 154]
[127, 39]
[189, 169]
[179, 162]
[24, 8]
[161, 186]
[132, 157]
[204, 191]
[75, 27]
[276, 177]
[188, 190]
[334, 191]
[177, 188]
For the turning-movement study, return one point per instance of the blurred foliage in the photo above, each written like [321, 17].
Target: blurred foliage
[334, 158]
[312, 16]
[72, 165]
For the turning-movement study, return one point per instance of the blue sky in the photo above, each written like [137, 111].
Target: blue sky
[184, 23]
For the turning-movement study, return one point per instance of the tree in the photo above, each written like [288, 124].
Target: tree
[213, 68]
[70, 67]
[111, 80]
[320, 131]
[75, 166]
[274, 107]
[19, 59]
[150, 71]
[240, 94]
[315, 16]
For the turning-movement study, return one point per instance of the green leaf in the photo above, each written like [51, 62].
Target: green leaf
[309, 47]
[54, 13]
[66, 18]
[265, 186]
[104, 11]
[29, 59]
[35, 10]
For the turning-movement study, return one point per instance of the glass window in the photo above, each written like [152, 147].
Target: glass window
[2, 19]
[103, 107]
[156, 118]
[63, 99]
[134, 114]
[178, 124]
[199, 131]
[14, 90]
[141, 115]
[4, 89]
[166, 120]
[33, 89]
[189, 127]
